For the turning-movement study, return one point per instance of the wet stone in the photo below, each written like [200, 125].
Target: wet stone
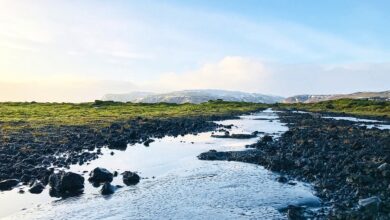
[130, 178]
[8, 184]
[100, 175]
[107, 189]
[65, 183]
[36, 188]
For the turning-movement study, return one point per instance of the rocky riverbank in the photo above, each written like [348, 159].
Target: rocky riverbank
[28, 156]
[348, 164]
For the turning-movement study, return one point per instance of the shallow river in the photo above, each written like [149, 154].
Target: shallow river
[369, 123]
[175, 184]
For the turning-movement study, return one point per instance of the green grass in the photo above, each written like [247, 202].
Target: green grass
[357, 107]
[15, 115]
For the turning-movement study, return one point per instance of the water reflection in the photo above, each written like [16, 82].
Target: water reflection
[175, 184]
[369, 123]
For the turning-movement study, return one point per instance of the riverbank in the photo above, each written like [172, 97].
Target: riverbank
[38, 136]
[174, 183]
[355, 107]
[347, 162]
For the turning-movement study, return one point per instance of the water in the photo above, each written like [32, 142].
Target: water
[369, 123]
[175, 184]
[354, 119]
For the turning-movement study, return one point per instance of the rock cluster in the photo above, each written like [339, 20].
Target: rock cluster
[235, 136]
[347, 163]
[27, 155]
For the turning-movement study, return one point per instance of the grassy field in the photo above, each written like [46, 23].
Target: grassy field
[19, 115]
[14, 116]
[350, 106]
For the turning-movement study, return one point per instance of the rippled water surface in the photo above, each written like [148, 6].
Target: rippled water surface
[175, 184]
[369, 123]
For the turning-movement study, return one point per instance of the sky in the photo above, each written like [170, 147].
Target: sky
[77, 51]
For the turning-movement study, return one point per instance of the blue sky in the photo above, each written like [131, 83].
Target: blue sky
[79, 50]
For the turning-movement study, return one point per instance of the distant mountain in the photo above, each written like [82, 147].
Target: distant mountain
[385, 95]
[193, 96]
[127, 97]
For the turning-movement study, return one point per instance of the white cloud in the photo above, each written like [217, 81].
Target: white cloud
[329, 79]
[230, 73]
[125, 41]
[253, 75]
[234, 73]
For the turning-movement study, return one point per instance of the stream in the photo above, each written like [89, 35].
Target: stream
[175, 184]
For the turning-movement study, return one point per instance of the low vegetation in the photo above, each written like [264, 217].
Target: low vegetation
[358, 107]
[15, 115]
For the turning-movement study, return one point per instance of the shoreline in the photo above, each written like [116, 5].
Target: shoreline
[347, 164]
[32, 157]
[212, 176]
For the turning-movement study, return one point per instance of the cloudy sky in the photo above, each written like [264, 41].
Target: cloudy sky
[79, 50]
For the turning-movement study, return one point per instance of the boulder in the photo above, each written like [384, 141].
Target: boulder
[66, 183]
[148, 142]
[235, 136]
[130, 178]
[370, 205]
[8, 184]
[36, 188]
[100, 175]
[107, 189]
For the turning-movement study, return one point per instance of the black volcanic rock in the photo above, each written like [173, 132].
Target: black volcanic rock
[66, 183]
[8, 184]
[36, 188]
[130, 178]
[235, 136]
[117, 143]
[100, 175]
[107, 189]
